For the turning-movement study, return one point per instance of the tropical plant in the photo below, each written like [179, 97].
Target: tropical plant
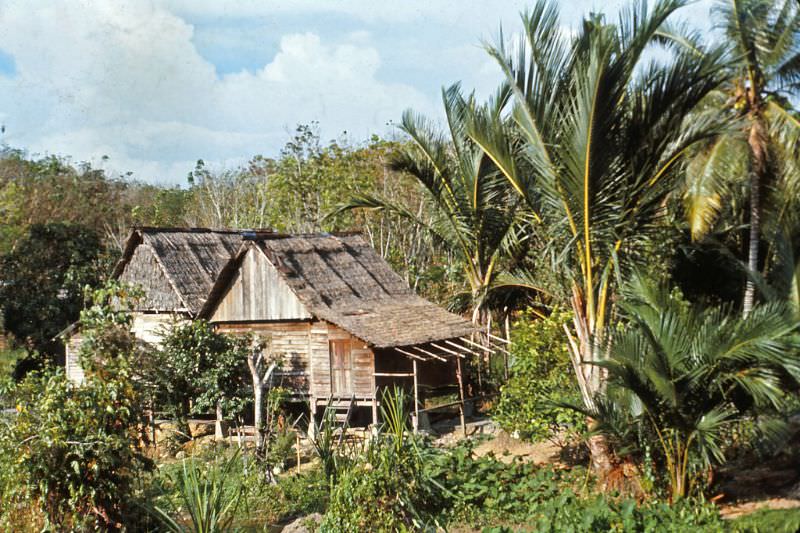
[387, 488]
[752, 168]
[541, 377]
[593, 147]
[207, 503]
[71, 455]
[683, 374]
[200, 369]
[473, 211]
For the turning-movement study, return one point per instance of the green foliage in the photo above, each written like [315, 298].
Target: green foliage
[105, 324]
[768, 521]
[201, 366]
[207, 499]
[70, 455]
[682, 375]
[43, 281]
[387, 488]
[485, 491]
[541, 376]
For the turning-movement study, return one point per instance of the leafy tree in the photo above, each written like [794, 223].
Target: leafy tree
[43, 281]
[474, 215]
[199, 369]
[683, 374]
[751, 168]
[594, 148]
[541, 377]
[71, 454]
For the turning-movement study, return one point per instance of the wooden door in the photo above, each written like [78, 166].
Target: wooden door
[341, 367]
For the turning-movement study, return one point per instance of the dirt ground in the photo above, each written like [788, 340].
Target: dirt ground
[506, 448]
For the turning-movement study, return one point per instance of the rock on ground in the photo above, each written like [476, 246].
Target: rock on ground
[304, 524]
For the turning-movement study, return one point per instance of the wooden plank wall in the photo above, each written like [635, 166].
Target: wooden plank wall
[150, 327]
[73, 368]
[363, 362]
[305, 346]
[257, 292]
[289, 339]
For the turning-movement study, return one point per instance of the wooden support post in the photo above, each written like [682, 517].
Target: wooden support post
[375, 408]
[153, 424]
[508, 341]
[416, 397]
[297, 445]
[460, 377]
[218, 432]
[312, 423]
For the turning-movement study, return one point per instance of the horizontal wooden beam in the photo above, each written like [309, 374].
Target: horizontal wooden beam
[430, 354]
[393, 374]
[411, 355]
[501, 339]
[448, 350]
[460, 347]
[482, 347]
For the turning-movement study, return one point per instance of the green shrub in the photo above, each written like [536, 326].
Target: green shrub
[541, 374]
[70, 457]
[387, 488]
[484, 491]
[768, 521]
[208, 500]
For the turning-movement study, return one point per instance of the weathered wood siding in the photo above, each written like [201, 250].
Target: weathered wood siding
[363, 361]
[145, 271]
[305, 348]
[150, 327]
[73, 368]
[257, 292]
[290, 340]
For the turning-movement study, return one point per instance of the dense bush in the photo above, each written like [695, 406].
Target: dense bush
[388, 487]
[42, 289]
[541, 375]
[70, 456]
[198, 367]
[486, 491]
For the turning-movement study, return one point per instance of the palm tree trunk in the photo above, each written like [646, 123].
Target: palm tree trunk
[758, 152]
[591, 379]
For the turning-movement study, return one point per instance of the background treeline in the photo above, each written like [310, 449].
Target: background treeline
[63, 224]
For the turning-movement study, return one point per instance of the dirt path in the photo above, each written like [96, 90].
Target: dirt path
[506, 448]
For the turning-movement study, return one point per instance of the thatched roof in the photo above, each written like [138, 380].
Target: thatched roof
[190, 259]
[343, 280]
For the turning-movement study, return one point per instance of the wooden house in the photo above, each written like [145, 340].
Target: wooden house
[176, 269]
[343, 321]
[344, 324]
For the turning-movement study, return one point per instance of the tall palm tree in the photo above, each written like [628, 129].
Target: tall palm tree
[763, 37]
[682, 373]
[596, 145]
[473, 212]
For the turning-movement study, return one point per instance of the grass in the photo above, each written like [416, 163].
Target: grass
[768, 521]
[8, 359]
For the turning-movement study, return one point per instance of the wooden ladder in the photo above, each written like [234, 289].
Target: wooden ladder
[343, 412]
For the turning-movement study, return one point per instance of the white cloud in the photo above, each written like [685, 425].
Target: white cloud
[132, 79]
[126, 81]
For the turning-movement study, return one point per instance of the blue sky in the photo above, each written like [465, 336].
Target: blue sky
[155, 85]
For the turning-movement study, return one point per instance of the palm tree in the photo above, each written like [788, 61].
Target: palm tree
[763, 37]
[473, 213]
[684, 374]
[595, 147]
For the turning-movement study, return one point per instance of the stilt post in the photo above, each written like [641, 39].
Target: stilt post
[416, 397]
[460, 376]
